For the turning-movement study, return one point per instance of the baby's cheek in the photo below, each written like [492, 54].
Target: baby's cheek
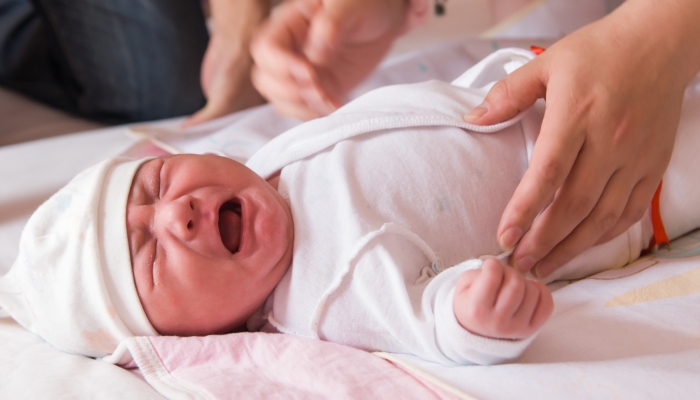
[275, 230]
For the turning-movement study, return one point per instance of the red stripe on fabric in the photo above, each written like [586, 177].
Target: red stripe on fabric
[660, 236]
[537, 49]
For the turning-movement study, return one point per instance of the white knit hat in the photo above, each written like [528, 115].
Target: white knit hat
[72, 283]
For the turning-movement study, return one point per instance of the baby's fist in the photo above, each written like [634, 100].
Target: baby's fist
[496, 301]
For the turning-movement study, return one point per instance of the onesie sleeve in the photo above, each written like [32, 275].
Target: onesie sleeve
[453, 341]
[390, 301]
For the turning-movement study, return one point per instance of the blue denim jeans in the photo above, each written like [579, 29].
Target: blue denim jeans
[112, 61]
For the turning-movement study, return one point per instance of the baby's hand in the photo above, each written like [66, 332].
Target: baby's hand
[496, 301]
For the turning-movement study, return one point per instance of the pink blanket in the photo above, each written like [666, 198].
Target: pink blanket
[262, 365]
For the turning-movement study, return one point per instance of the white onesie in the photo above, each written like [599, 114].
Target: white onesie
[390, 196]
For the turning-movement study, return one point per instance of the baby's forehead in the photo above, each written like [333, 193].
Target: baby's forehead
[149, 177]
[143, 168]
[190, 171]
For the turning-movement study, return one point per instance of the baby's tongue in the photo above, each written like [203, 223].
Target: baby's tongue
[230, 229]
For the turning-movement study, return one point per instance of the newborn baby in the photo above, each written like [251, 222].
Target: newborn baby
[210, 240]
[366, 228]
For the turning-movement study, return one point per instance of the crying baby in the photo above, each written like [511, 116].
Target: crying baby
[371, 228]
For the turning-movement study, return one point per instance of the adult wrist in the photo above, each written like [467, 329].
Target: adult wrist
[666, 33]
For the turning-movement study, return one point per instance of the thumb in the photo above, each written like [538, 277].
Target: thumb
[509, 96]
[326, 31]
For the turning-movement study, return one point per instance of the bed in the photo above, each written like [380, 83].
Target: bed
[628, 333]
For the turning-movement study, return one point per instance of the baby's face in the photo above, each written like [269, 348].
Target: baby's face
[209, 240]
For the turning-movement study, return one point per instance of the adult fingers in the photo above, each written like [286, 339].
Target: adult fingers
[636, 207]
[281, 62]
[341, 23]
[574, 201]
[206, 113]
[604, 216]
[552, 158]
[219, 106]
[325, 33]
[300, 112]
[303, 101]
[512, 94]
[282, 71]
[276, 48]
[284, 96]
[231, 90]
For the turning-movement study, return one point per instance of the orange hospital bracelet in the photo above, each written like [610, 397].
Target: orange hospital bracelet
[537, 49]
[660, 237]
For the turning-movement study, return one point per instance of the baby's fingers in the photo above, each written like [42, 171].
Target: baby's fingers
[534, 311]
[486, 288]
[511, 294]
[475, 296]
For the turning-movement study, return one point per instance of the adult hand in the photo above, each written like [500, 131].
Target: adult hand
[497, 302]
[613, 99]
[225, 73]
[311, 53]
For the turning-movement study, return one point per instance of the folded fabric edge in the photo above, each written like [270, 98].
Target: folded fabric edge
[424, 376]
[141, 351]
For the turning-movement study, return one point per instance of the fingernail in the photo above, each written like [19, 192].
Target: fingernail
[525, 264]
[510, 237]
[544, 269]
[477, 112]
[299, 73]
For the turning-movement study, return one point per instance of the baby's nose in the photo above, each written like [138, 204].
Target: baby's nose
[178, 216]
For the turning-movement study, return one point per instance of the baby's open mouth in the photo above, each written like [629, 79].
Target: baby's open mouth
[230, 225]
